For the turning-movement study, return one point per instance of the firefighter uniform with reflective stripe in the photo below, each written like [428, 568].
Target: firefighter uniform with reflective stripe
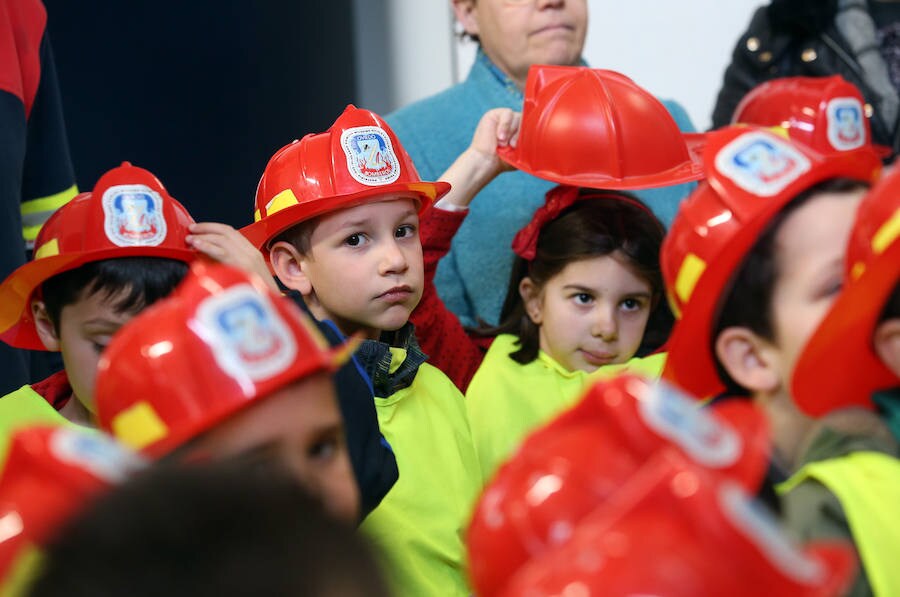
[36, 175]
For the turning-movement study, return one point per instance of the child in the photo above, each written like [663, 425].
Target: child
[586, 279]
[50, 473]
[224, 529]
[98, 261]
[223, 367]
[337, 217]
[848, 485]
[752, 263]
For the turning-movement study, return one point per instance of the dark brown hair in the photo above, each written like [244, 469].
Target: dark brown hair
[591, 227]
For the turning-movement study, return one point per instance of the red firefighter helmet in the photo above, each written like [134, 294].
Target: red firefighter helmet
[675, 530]
[825, 113]
[219, 343]
[564, 470]
[358, 159]
[842, 344]
[597, 128]
[128, 214]
[50, 472]
[751, 175]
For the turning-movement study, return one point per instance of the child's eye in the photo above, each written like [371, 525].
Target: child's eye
[583, 298]
[355, 240]
[98, 347]
[405, 231]
[324, 449]
[632, 304]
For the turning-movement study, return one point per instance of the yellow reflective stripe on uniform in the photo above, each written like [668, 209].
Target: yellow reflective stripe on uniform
[868, 487]
[36, 211]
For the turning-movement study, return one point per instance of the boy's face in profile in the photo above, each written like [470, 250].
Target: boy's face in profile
[365, 266]
[302, 427]
[85, 328]
[809, 255]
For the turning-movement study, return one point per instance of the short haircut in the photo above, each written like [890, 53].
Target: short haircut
[298, 235]
[225, 529]
[747, 302]
[134, 282]
[616, 222]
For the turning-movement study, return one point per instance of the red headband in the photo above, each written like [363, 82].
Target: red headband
[558, 199]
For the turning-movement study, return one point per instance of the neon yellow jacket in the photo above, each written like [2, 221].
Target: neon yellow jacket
[418, 528]
[22, 408]
[506, 400]
[868, 487]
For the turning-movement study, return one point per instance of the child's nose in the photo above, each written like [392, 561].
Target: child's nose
[393, 259]
[604, 324]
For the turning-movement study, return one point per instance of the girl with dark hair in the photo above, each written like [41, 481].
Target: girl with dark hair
[585, 298]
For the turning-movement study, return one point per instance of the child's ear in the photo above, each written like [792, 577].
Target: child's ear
[466, 14]
[531, 298]
[887, 344]
[289, 266]
[748, 359]
[46, 331]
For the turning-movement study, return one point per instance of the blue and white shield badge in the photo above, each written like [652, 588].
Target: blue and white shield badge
[370, 156]
[761, 164]
[249, 339]
[846, 125]
[133, 216]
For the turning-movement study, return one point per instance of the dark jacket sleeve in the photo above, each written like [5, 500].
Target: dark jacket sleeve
[372, 458]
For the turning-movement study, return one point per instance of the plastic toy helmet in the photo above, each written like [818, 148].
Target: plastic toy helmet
[564, 470]
[752, 174]
[219, 343]
[128, 214]
[597, 128]
[50, 472]
[824, 113]
[842, 344]
[358, 159]
[677, 531]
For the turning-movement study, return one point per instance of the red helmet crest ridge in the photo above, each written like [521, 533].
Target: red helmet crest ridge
[358, 159]
[129, 213]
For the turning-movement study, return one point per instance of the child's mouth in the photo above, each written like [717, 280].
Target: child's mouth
[598, 358]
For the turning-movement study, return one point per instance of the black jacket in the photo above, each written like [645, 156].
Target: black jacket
[782, 41]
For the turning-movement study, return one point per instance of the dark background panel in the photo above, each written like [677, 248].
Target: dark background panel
[200, 92]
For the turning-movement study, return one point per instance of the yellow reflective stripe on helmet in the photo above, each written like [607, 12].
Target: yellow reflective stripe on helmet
[887, 234]
[285, 198]
[48, 249]
[36, 211]
[691, 269]
[139, 426]
[256, 215]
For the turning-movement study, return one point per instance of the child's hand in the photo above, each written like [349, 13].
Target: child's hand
[225, 244]
[497, 128]
[479, 164]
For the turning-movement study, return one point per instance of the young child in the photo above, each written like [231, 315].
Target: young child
[585, 295]
[337, 218]
[850, 480]
[223, 367]
[752, 264]
[49, 475]
[98, 261]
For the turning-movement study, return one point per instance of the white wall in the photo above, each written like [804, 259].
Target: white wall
[677, 50]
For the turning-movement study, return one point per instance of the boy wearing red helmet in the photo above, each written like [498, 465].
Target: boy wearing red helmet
[97, 261]
[752, 263]
[225, 366]
[851, 367]
[337, 218]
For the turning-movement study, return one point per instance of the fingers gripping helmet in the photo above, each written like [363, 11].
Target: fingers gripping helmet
[219, 343]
